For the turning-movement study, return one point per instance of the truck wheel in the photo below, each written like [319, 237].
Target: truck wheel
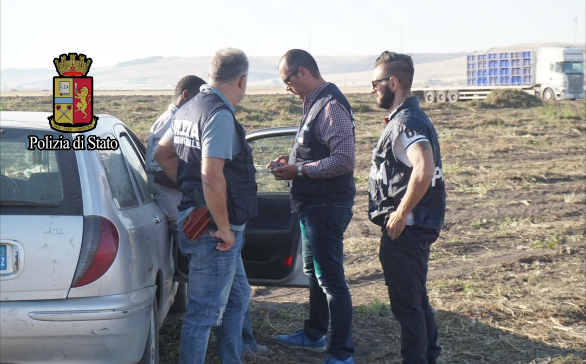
[453, 96]
[429, 96]
[442, 96]
[548, 95]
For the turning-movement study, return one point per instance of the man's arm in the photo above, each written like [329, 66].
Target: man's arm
[214, 191]
[167, 159]
[217, 139]
[421, 157]
[336, 129]
[162, 179]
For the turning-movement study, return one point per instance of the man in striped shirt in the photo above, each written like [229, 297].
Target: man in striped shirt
[321, 170]
[162, 187]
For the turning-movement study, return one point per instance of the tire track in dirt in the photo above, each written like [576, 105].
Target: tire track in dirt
[455, 268]
[519, 157]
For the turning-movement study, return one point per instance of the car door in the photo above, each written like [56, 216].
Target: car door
[272, 249]
[163, 245]
[156, 244]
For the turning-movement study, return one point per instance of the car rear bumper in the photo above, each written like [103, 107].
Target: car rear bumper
[108, 329]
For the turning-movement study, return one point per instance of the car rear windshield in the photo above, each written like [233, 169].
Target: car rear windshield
[37, 182]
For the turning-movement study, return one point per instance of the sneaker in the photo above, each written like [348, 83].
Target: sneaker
[300, 340]
[332, 360]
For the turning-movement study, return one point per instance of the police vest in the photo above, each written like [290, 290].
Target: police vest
[307, 149]
[241, 186]
[389, 177]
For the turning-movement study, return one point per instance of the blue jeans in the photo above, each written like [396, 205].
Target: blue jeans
[219, 295]
[248, 341]
[322, 229]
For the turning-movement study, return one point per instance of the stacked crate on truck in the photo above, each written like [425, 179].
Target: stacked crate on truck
[500, 69]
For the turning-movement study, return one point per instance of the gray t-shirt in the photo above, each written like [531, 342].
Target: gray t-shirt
[219, 136]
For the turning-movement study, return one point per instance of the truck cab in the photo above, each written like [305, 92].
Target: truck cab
[560, 73]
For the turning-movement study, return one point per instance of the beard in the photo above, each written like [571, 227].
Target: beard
[386, 100]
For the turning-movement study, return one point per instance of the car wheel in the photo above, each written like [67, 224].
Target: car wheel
[151, 350]
[181, 299]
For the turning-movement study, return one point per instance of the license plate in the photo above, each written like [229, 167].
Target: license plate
[2, 257]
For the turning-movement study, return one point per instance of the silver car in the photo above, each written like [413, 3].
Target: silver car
[88, 270]
[86, 264]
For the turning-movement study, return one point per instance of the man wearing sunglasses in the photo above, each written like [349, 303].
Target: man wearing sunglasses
[408, 200]
[321, 170]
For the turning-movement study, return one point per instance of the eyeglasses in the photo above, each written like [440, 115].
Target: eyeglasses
[288, 79]
[376, 82]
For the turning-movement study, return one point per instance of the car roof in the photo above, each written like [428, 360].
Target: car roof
[38, 120]
[278, 131]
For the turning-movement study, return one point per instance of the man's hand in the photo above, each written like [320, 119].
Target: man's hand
[284, 159]
[285, 172]
[226, 239]
[395, 225]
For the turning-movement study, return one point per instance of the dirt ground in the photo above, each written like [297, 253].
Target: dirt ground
[506, 277]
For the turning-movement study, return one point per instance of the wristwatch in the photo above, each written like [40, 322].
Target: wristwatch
[300, 170]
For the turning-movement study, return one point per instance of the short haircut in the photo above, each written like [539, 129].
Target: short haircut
[228, 65]
[397, 65]
[190, 83]
[296, 58]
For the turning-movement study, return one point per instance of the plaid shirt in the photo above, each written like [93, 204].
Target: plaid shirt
[335, 129]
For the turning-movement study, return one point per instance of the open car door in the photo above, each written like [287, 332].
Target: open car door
[272, 248]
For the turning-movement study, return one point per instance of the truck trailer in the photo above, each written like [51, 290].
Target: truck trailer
[551, 73]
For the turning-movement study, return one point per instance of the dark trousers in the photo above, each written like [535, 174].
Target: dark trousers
[322, 228]
[404, 261]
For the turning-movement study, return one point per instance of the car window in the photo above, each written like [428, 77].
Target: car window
[137, 142]
[137, 167]
[29, 175]
[118, 178]
[265, 150]
[37, 181]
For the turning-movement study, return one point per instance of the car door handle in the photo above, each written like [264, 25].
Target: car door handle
[158, 219]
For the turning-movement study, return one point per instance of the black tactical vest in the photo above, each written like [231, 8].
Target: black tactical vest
[389, 177]
[307, 149]
[240, 173]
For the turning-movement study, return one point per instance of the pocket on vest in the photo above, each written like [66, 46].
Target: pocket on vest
[243, 207]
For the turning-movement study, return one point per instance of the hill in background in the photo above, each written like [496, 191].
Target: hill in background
[163, 73]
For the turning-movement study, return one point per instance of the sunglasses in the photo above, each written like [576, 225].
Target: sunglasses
[376, 82]
[288, 79]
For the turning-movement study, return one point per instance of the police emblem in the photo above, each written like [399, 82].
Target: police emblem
[72, 95]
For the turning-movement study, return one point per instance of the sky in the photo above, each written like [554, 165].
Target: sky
[33, 32]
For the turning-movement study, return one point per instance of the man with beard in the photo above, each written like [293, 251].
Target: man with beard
[408, 200]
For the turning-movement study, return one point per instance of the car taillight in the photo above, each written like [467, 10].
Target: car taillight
[288, 261]
[99, 247]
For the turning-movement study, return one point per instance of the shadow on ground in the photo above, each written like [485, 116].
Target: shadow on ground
[377, 339]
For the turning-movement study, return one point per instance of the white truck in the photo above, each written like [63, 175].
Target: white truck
[552, 73]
